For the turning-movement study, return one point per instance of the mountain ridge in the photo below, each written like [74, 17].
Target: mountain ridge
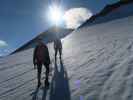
[105, 11]
[47, 36]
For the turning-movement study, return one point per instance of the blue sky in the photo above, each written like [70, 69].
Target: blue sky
[21, 20]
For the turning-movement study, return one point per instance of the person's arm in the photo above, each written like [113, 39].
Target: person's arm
[34, 57]
[48, 57]
[60, 44]
[54, 45]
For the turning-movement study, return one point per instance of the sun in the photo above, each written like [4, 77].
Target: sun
[55, 14]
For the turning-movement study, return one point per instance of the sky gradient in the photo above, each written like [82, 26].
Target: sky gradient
[21, 20]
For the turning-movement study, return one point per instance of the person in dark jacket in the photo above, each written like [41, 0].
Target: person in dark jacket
[40, 58]
[57, 47]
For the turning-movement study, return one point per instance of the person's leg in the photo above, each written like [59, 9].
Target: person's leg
[39, 70]
[47, 71]
[60, 51]
[47, 74]
[56, 53]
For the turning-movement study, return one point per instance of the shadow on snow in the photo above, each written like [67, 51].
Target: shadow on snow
[59, 88]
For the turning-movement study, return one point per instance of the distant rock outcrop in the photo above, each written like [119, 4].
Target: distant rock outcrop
[106, 10]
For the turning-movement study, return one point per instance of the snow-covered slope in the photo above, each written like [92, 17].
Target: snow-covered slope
[97, 64]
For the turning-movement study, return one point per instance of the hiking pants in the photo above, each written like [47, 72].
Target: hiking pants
[39, 70]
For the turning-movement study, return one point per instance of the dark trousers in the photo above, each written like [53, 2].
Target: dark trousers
[39, 70]
[58, 50]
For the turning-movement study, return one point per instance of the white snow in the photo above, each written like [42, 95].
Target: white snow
[97, 65]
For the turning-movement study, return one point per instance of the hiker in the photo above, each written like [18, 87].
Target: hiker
[57, 47]
[40, 58]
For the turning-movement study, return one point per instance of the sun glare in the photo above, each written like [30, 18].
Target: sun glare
[55, 14]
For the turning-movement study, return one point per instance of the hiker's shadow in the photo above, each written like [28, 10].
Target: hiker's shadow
[34, 94]
[60, 85]
[43, 95]
[59, 88]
